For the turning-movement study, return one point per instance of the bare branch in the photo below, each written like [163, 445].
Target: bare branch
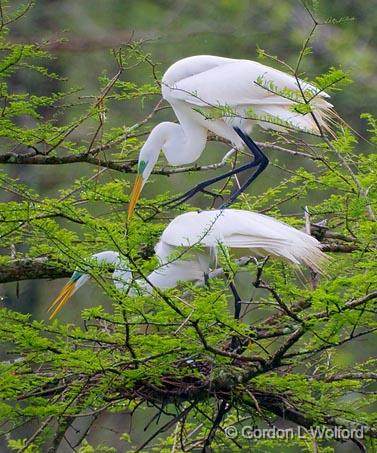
[363, 375]
[31, 269]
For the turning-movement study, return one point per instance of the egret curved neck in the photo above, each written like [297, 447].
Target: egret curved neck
[181, 143]
[186, 141]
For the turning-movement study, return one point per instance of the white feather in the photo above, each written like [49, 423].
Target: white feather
[239, 230]
[208, 81]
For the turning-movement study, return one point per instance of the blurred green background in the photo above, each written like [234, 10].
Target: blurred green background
[172, 30]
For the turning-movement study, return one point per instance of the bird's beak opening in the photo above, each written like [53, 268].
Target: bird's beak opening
[63, 297]
[138, 185]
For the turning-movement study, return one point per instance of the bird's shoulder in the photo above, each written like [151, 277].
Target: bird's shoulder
[190, 66]
[207, 80]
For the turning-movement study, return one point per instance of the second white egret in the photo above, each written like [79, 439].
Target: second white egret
[187, 249]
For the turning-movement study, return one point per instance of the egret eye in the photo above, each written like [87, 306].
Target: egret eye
[141, 166]
[76, 275]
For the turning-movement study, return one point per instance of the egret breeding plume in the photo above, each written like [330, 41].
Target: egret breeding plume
[244, 93]
[187, 249]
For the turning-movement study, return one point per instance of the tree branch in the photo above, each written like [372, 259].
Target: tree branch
[364, 375]
[31, 269]
[127, 166]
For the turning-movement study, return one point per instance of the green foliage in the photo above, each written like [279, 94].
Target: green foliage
[332, 80]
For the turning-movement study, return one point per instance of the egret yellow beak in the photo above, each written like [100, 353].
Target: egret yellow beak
[138, 185]
[63, 297]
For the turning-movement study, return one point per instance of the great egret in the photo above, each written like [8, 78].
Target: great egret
[187, 249]
[205, 83]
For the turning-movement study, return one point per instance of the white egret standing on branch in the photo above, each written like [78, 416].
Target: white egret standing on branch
[244, 93]
[187, 249]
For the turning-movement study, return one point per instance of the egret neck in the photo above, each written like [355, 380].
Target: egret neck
[180, 145]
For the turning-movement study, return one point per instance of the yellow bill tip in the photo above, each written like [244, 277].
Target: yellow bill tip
[63, 297]
[138, 185]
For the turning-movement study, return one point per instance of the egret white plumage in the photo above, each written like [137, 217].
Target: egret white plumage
[211, 82]
[187, 249]
[242, 232]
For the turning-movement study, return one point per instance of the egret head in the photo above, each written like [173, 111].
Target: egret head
[75, 282]
[147, 159]
[79, 278]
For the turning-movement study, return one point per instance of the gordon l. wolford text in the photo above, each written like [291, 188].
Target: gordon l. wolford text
[319, 432]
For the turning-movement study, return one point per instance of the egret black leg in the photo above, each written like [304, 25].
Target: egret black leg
[245, 185]
[259, 162]
[237, 301]
[235, 343]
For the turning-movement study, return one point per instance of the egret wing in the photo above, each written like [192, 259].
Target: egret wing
[243, 229]
[240, 79]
